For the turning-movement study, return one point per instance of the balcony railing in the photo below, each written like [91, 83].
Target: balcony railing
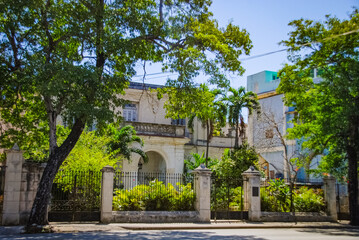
[154, 129]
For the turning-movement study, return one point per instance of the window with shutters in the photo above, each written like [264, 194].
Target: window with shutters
[180, 122]
[130, 112]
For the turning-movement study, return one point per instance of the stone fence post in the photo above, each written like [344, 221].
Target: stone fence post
[106, 194]
[251, 189]
[12, 188]
[330, 197]
[203, 192]
[21, 182]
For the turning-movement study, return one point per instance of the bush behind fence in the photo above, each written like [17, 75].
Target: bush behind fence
[76, 191]
[142, 191]
[307, 197]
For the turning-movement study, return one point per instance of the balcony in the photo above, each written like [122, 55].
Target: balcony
[162, 130]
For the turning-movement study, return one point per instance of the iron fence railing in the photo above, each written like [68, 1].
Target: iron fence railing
[129, 180]
[311, 183]
[76, 191]
[227, 197]
[149, 191]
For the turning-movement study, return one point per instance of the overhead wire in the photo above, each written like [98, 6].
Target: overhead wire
[264, 54]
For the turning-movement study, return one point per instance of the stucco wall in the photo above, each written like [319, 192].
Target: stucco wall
[165, 151]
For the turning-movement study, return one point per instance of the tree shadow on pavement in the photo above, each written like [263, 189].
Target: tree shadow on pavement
[135, 235]
[354, 232]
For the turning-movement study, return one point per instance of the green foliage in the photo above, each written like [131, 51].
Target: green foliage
[309, 200]
[91, 152]
[122, 139]
[276, 198]
[328, 109]
[236, 102]
[235, 162]
[196, 160]
[280, 193]
[155, 197]
[226, 197]
[81, 187]
[75, 58]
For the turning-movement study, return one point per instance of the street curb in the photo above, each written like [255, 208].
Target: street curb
[134, 228]
[148, 227]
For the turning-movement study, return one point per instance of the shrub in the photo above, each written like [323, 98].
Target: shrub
[184, 199]
[275, 198]
[309, 200]
[279, 195]
[155, 197]
[158, 198]
[236, 198]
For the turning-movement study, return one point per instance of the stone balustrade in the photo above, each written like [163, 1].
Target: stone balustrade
[154, 129]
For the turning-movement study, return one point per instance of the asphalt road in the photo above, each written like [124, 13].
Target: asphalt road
[223, 234]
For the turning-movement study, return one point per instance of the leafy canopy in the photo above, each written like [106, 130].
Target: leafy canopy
[72, 58]
[327, 106]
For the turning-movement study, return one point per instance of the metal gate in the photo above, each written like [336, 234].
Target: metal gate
[227, 198]
[76, 196]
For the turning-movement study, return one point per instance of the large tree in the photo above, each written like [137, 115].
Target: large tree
[328, 107]
[72, 58]
[237, 100]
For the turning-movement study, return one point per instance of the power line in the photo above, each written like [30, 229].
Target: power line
[301, 45]
[273, 52]
[150, 74]
[167, 75]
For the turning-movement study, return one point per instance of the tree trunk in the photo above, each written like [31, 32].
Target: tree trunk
[236, 139]
[38, 214]
[353, 185]
[352, 153]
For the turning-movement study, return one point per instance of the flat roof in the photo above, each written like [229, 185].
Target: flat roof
[139, 85]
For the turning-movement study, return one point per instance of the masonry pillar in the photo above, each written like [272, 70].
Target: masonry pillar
[251, 189]
[11, 204]
[106, 194]
[330, 197]
[203, 193]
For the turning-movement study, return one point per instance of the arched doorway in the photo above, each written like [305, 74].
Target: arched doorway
[155, 164]
[154, 168]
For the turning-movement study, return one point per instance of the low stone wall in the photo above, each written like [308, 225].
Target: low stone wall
[299, 217]
[154, 216]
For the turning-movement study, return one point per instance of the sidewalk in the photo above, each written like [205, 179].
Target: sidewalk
[115, 227]
[88, 227]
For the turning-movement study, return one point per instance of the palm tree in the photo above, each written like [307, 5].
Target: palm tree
[211, 113]
[122, 140]
[236, 102]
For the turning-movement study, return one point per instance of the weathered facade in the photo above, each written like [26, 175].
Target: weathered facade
[262, 132]
[167, 142]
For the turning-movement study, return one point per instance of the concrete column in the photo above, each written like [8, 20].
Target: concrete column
[203, 193]
[106, 194]
[251, 189]
[330, 196]
[11, 204]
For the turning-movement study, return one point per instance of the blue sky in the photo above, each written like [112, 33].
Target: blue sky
[267, 23]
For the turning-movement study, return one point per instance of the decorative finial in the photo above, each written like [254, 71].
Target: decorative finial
[15, 147]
